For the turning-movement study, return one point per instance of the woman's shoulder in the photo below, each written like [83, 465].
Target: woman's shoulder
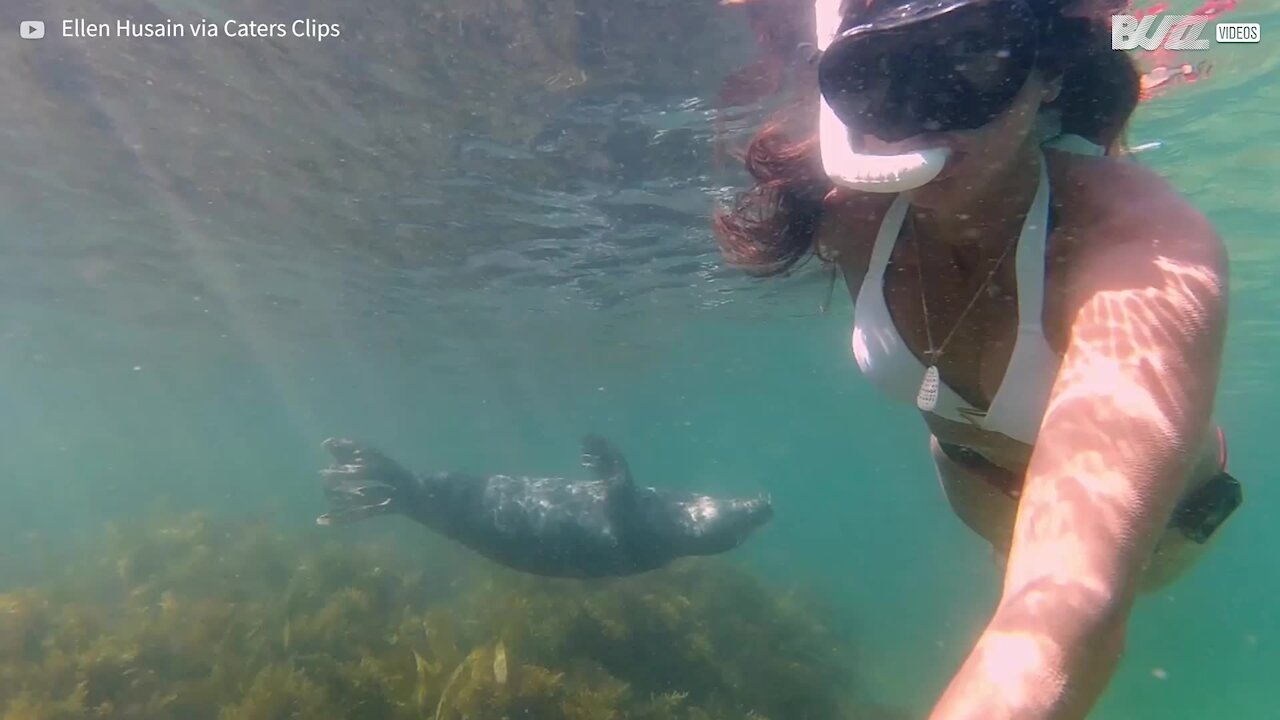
[1109, 202]
[850, 222]
[1126, 229]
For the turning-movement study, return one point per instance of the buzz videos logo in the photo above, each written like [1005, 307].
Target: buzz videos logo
[1176, 32]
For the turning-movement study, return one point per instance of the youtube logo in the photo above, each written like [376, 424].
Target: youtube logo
[31, 29]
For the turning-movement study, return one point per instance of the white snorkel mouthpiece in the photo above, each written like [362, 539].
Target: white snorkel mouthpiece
[873, 173]
[861, 171]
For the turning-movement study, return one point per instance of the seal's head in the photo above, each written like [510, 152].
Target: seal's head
[709, 526]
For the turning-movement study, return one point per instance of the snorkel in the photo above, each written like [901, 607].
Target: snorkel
[861, 171]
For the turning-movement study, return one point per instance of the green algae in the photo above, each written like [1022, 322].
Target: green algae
[199, 620]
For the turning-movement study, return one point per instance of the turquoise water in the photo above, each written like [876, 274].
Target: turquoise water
[214, 256]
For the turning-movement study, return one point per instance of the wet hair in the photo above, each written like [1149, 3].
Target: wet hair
[773, 226]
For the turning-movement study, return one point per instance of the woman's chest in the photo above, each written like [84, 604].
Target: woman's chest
[962, 318]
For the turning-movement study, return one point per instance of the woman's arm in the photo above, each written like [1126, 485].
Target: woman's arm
[1129, 411]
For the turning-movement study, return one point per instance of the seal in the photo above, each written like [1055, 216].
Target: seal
[606, 526]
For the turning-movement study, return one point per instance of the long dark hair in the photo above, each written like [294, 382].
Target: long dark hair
[772, 226]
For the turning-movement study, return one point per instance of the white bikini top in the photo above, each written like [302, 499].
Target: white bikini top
[1019, 404]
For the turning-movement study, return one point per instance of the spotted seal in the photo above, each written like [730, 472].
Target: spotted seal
[602, 527]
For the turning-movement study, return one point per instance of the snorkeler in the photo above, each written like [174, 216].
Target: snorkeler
[604, 527]
[1055, 311]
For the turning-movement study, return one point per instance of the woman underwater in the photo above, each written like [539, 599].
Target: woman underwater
[1055, 310]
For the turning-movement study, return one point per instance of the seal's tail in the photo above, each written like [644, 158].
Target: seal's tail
[362, 483]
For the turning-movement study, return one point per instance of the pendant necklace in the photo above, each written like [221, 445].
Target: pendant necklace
[927, 398]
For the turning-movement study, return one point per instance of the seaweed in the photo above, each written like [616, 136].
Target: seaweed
[200, 620]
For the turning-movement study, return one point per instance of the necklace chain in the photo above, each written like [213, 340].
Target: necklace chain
[936, 354]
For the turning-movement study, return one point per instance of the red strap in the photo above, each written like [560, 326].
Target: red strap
[1222, 450]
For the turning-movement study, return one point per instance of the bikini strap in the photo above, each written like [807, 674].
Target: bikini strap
[1072, 143]
[1030, 255]
[887, 236]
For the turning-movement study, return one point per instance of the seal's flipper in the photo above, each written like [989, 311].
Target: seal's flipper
[361, 483]
[605, 462]
[608, 465]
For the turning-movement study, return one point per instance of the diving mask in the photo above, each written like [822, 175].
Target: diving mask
[925, 66]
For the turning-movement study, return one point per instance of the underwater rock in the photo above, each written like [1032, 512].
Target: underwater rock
[239, 622]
